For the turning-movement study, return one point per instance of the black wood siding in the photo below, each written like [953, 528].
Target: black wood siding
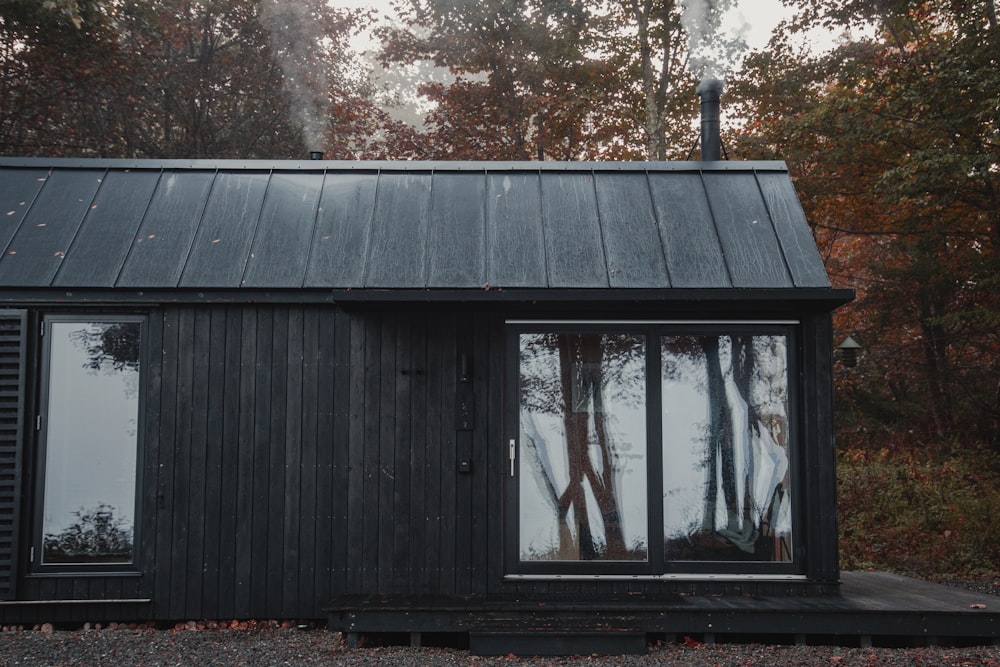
[294, 454]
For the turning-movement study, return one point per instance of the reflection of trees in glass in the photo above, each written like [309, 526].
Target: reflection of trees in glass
[745, 382]
[112, 346]
[97, 536]
[589, 367]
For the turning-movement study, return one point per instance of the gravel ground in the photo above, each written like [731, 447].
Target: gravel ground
[989, 585]
[286, 646]
[270, 644]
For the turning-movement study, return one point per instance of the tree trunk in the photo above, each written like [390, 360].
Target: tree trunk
[720, 441]
[935, 362]
[580, 365]
[653, 128]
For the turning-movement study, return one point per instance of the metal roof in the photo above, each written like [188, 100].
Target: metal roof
[110, 224]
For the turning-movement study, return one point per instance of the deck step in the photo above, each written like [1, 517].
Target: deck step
[557, 643]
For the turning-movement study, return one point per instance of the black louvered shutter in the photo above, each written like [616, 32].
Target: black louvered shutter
[12, 371]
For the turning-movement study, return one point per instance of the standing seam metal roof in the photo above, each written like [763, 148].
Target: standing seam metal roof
[402, 225]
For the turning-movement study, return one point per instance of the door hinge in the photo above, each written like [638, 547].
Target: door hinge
[31, 556]
[513, 454]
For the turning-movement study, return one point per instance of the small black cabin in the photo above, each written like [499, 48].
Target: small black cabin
[293, 389]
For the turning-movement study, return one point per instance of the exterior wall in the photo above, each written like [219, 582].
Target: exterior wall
[296, 453]
[293, 453]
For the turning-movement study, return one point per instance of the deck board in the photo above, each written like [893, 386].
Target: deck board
[869, 604]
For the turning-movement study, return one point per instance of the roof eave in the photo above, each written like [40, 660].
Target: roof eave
[812, 298]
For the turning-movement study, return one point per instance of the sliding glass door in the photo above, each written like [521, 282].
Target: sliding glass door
[650, 448]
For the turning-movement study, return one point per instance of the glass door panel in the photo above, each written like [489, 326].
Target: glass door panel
[582, 465]
[725, 448]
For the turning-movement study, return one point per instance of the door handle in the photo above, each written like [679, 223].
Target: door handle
[512, 444]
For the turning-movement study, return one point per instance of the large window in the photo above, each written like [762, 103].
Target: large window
[651, 448]
[91, 400]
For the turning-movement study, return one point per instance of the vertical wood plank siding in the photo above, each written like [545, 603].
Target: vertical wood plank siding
[820, 474]
[294, 453]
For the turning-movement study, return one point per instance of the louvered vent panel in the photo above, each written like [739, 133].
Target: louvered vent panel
[12, 371]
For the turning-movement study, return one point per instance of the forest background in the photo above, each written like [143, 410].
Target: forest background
[892, 135]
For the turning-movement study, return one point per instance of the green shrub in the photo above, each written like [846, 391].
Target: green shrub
[914, 513]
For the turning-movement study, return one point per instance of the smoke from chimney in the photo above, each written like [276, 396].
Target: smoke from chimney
[294, 35]
[710, 91]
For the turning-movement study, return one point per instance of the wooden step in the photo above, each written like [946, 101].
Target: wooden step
[557, 643]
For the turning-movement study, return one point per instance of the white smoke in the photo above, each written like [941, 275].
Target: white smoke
[713, 52]
[298, 49]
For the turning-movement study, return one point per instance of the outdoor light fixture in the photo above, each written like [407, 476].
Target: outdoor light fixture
[464, 368]
[849, 352]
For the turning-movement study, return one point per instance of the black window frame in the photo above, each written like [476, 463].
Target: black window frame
[37, 566]
[656, 565]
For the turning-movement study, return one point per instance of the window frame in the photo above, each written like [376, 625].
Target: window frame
[657, 565]
[44, 377]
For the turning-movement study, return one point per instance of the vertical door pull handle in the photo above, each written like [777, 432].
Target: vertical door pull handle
[513, 455]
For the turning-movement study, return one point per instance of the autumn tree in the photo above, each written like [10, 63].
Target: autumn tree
[50, 62]
[521, 80]
[198, 84]
[894, 142]
[183, 79]
[330, 89]
[659, 51]
[565, 80]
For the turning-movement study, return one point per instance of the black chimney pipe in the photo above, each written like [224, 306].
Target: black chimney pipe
[315, 155]
[710, 90]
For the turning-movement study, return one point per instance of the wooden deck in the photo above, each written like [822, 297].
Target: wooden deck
[871, 607]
